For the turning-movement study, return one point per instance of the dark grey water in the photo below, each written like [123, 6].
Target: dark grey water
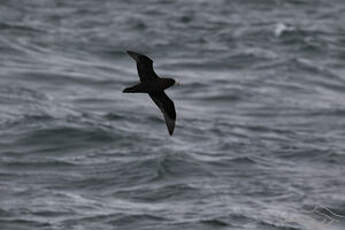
[260, 135]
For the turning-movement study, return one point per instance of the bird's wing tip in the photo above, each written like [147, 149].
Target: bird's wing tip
[133, 55]
[170, 123]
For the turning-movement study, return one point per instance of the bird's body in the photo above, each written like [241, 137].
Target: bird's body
[152, 84]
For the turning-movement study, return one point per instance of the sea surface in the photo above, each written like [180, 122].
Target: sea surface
[259, 142]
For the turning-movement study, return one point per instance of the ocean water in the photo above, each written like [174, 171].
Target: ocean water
[259, 142]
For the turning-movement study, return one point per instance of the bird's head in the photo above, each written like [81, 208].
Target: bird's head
[171, 82]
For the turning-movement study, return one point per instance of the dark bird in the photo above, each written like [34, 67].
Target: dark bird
[154, 85]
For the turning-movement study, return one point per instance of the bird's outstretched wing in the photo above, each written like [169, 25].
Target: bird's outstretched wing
[144, 66]
[166, 105]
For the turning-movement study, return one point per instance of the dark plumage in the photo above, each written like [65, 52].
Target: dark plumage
[153, 85]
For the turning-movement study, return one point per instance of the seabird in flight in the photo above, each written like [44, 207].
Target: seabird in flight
[154, 85]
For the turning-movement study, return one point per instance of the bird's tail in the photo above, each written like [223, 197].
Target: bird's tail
[138, 88]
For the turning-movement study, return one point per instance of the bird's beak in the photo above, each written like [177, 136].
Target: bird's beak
[134, 55]
[177, 83]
